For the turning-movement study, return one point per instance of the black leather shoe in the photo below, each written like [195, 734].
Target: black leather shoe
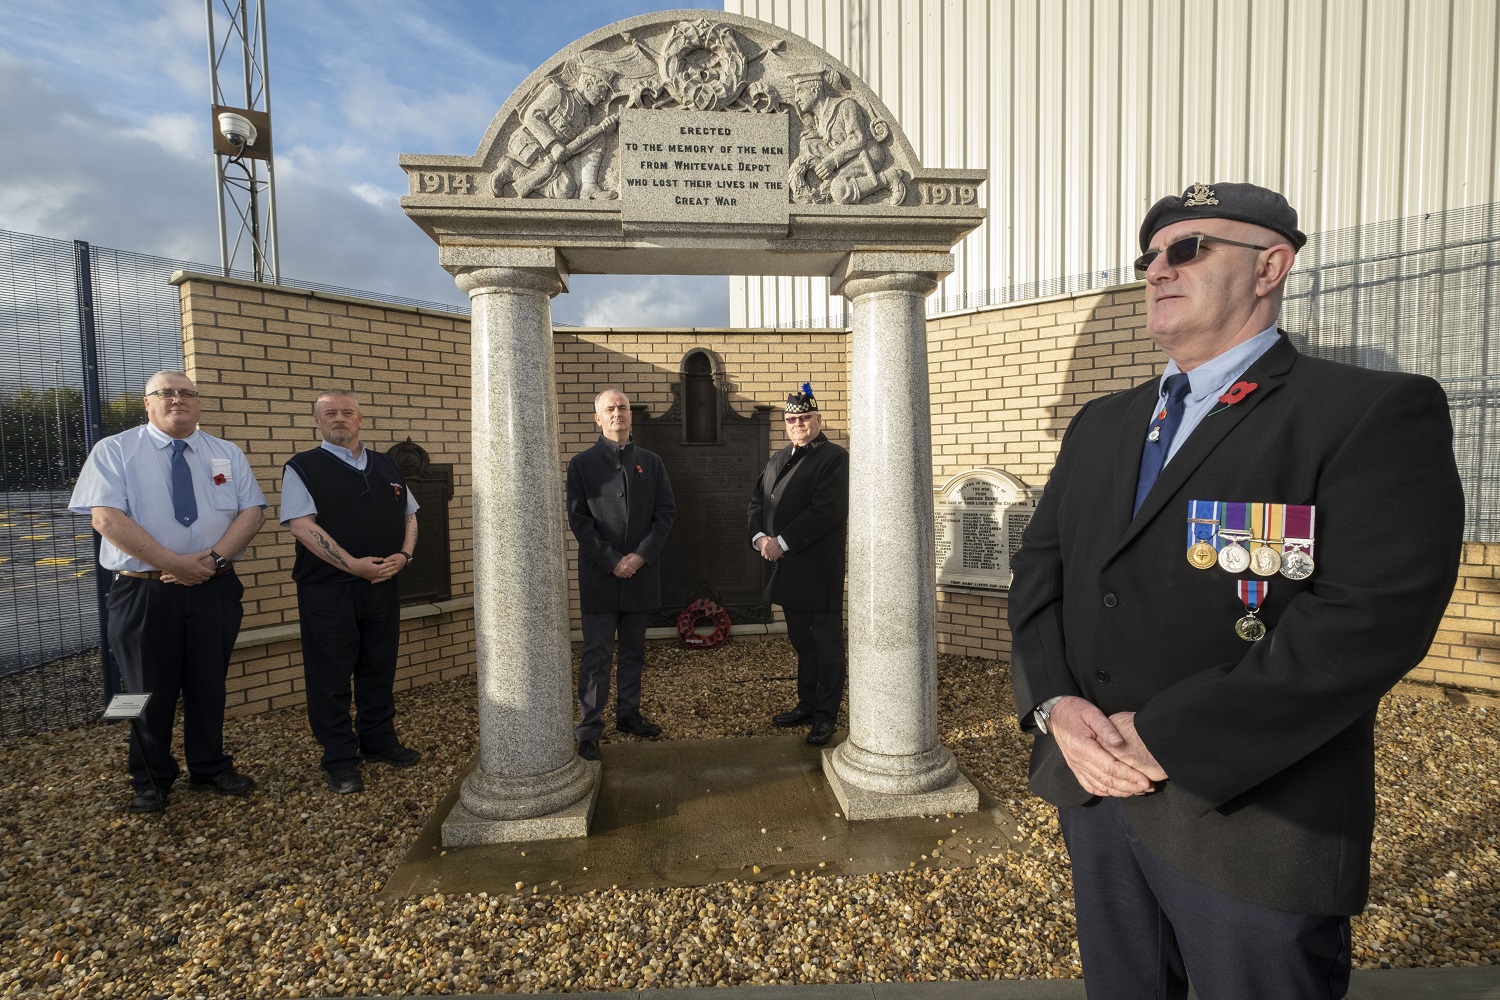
[820, 733]
[588, 749]
[149, 801]
[639, 725]
[396, 756]
[346, 781]
[796, 717]
[229, 782]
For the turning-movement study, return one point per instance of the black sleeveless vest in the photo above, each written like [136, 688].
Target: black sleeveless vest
[365, 512]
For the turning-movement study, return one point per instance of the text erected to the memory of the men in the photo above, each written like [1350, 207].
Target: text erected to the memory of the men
[691, 166]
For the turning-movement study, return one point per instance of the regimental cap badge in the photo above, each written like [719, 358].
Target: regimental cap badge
[802, 401]
[1199, 195]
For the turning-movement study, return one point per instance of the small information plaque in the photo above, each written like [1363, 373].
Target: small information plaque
[126, 706]
[979, 516]
[702, 168]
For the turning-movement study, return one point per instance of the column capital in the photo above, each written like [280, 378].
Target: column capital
[537, 269]
[890, 271]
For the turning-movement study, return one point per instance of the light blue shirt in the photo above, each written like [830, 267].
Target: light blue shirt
[1211, 380]
[132, 472]
[296, 501]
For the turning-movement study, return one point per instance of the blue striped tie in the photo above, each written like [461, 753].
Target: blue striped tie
[184, 504]
[1163, 429]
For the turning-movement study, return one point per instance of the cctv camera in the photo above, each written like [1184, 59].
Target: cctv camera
[237, 129]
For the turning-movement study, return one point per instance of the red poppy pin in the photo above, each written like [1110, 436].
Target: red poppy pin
[639, 471]
[1237, 392]
[397, 488]
[220, 479]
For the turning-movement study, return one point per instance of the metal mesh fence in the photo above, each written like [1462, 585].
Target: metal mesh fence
[1422, 295]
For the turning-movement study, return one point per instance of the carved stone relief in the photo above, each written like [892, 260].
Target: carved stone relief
[561, 143]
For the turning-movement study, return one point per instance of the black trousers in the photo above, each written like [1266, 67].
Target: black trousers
[174, 641]
[351, 631]
[818, 638]
[1145, 929]
[599, 631]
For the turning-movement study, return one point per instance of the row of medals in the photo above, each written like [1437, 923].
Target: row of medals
[1294, 563]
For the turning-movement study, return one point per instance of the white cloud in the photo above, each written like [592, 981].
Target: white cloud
[645, 301]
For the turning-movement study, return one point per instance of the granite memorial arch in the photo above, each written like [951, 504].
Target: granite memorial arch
[693, 142]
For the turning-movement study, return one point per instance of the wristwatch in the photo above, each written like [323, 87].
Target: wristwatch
[220, 563]
[1042, 711]
[407, 555]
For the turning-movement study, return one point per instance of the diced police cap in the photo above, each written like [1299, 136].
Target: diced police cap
[1242, 202]
[802, 401]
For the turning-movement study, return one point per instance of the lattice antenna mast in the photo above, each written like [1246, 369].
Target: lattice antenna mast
[241, 97]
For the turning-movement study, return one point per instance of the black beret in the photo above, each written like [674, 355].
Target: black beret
[1242, 202]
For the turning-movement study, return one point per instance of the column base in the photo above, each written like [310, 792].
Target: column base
[462, 828]
[958, 796]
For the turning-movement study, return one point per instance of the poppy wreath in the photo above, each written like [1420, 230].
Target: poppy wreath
[702, 610]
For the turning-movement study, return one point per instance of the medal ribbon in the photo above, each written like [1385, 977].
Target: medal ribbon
[1299, 527]
[1272, 523]
[1237, 517]
[1253, 594]
[1203, 522]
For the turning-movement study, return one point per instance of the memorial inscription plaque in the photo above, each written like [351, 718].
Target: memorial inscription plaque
[691, 166]
[978, 518]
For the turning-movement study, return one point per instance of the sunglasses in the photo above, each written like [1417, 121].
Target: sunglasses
[1180, 252]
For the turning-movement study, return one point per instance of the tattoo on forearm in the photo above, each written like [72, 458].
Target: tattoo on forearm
[332, 551]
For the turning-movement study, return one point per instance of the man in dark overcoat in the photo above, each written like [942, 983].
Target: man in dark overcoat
[799, 514]
[1230, 566]
[620, 508]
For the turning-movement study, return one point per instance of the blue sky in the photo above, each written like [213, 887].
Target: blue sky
[104, 119]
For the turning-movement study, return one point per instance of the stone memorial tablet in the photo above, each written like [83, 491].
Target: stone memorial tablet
[693, 166]
[978, 517]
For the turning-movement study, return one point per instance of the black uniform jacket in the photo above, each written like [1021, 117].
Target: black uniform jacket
[1268, 745]
[809, 507]
[619, 502]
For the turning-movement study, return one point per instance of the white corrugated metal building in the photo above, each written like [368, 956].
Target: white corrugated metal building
[1086, 111]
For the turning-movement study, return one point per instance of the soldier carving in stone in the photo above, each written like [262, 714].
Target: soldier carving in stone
[557, 128]
[841, 158]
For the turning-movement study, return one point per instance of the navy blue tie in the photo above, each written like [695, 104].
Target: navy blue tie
[184, 504]
[1163, 429]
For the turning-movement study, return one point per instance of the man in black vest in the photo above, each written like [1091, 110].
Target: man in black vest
[799, 513]
[620, 508]
[355, 523]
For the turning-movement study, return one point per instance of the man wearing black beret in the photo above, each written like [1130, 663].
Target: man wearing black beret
[1230, 566]
[799, 515]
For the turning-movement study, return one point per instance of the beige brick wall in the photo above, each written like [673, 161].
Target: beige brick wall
[1466, 652]
[1004, 384]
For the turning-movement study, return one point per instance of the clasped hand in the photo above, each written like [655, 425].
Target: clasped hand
[627, 566]
[1105, 753]
[770, 548]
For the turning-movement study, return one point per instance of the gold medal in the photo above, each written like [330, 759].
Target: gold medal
[1265, 561]
[1202, 555]
[1250, 628]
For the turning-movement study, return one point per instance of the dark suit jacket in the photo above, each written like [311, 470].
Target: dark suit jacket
[1268, 745]
[619, 502]
[809, 507]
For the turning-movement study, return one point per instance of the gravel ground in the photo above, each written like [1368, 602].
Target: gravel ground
[273, 896]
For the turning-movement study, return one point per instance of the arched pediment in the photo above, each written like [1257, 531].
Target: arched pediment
[692, 128]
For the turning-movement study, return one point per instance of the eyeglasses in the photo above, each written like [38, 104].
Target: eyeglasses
[1180, 252]
[799, 418]
[174, 393]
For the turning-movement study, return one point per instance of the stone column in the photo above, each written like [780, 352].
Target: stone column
[529, 784]
[892, 764]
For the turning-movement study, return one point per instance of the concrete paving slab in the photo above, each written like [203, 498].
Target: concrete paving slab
[696, 812]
